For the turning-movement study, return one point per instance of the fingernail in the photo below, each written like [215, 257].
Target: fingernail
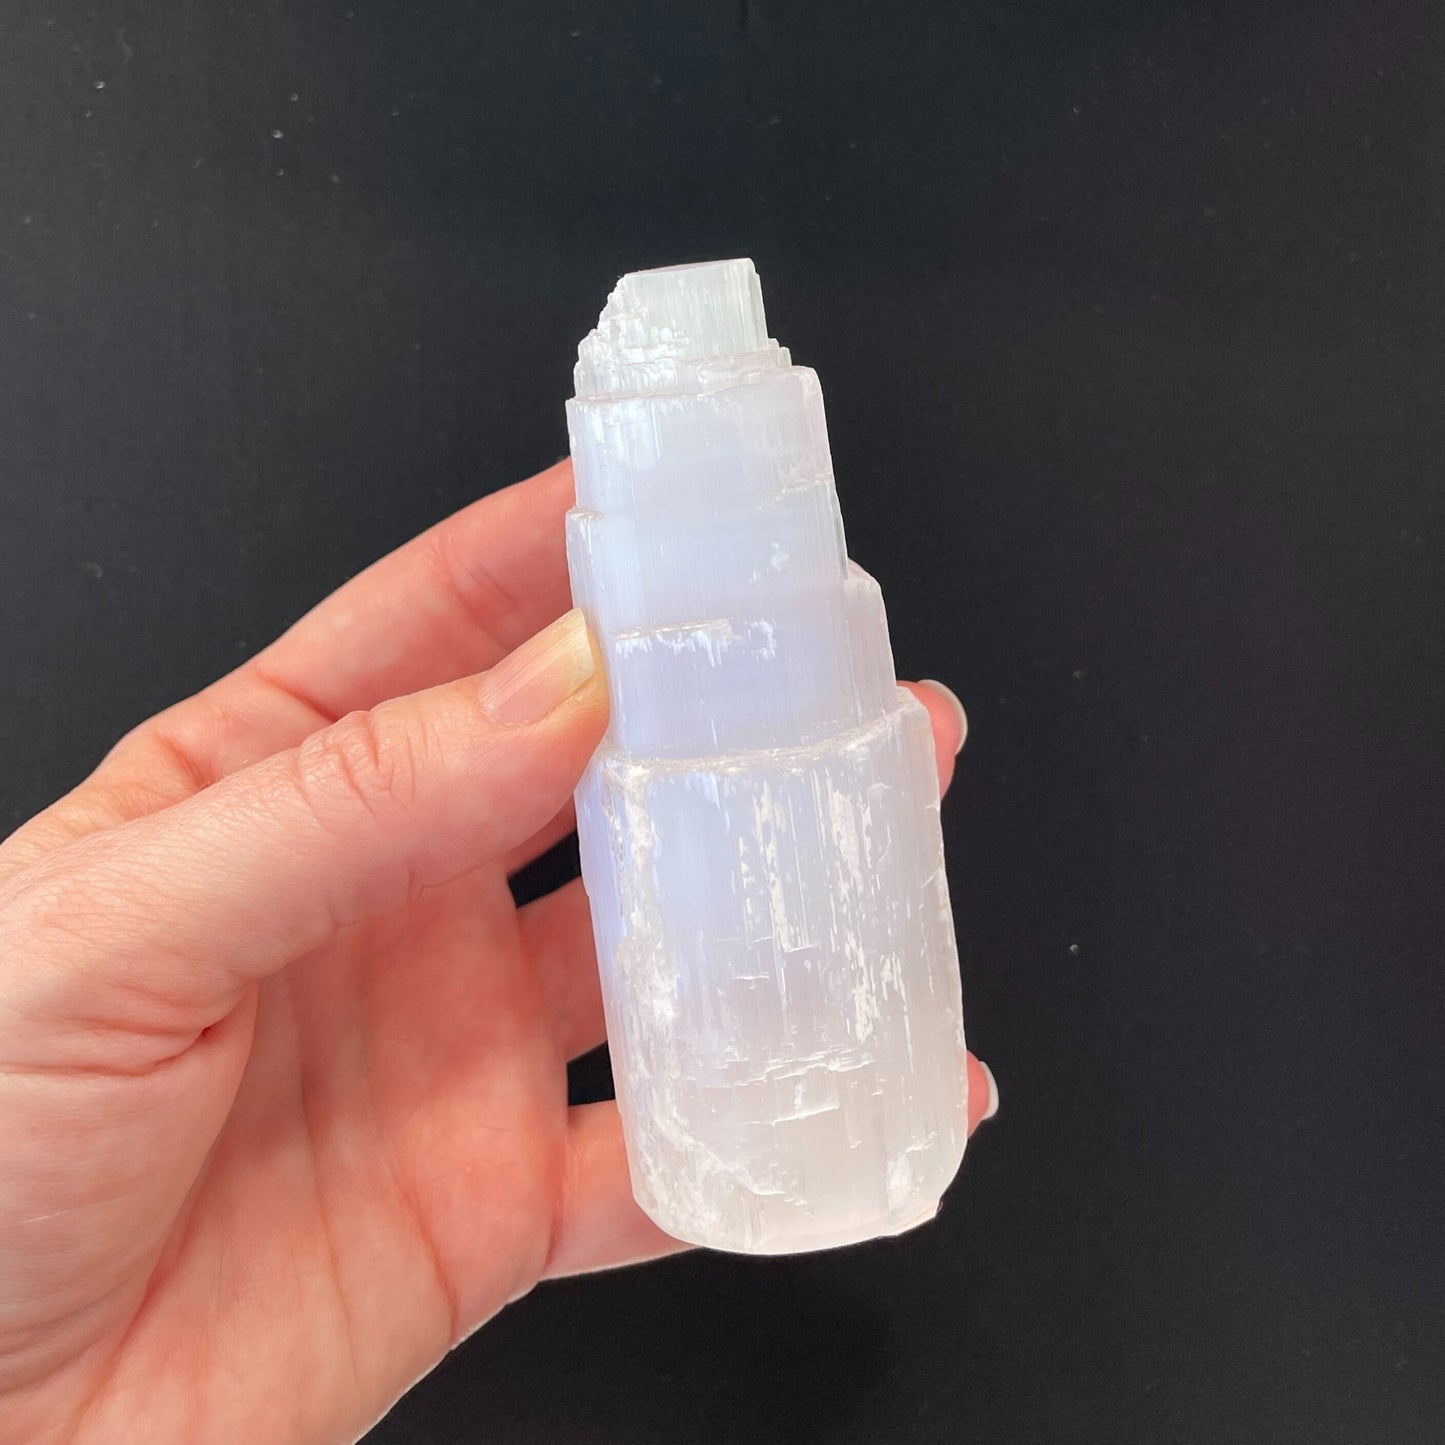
[951, 698]
[992, 1092]
[541, 674]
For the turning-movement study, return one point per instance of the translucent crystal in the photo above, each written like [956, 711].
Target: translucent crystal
[759, 830]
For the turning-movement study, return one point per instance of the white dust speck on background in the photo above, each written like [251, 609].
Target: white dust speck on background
[278, 134]
[294, 96]
[1074, 949]
[100, 85]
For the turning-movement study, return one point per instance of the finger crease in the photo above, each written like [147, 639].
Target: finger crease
[193, 772]
[294, 692]
[492, 608]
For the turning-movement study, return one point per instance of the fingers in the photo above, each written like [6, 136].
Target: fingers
[601, 1226]
[982, 1093]
[557, 935]
[450, 602]
[552, 832]
[154, 930]
[950, 724]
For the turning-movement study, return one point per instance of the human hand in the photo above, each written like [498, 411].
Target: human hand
[283, 1096]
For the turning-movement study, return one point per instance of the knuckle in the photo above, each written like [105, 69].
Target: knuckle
[357, 762]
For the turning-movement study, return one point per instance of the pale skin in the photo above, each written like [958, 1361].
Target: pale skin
[283, 1097]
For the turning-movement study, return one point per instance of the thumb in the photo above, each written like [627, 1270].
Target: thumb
[158, 927]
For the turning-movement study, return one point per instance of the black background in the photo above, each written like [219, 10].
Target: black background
[1129, 317]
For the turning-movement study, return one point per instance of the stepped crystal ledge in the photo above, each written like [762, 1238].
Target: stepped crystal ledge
[759, 829]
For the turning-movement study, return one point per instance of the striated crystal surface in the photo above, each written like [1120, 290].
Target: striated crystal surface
[759, 830]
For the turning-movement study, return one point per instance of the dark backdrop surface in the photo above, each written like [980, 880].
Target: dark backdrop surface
[1130, 321]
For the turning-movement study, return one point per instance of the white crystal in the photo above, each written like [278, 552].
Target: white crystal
[759, 830]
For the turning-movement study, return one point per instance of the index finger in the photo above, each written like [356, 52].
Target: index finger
[450, 602]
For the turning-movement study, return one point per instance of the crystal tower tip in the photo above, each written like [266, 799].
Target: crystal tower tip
[680, 329]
